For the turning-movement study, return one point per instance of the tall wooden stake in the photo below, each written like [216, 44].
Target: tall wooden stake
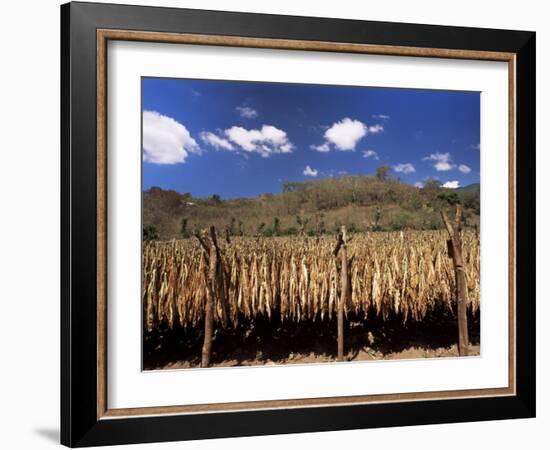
[221, 278]
[209, 307]
[341, 241]
[454, 245]
[216, 289]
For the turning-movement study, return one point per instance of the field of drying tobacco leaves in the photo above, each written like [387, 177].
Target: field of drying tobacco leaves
[401, 276]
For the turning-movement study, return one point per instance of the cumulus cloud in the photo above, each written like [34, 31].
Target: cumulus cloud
[166, 141]
[442, 161]
[419, 184]
[345, 135]
[247, 112]
[370, 154]
[309, 172]
[451, 184]
[464, 168]
[266, 141]
[380, 116]
[323, 148]
[375, 129]
[216, 141]
[404, 168]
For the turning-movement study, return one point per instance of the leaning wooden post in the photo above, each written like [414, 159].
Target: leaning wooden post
[220, 285]
[454, 245]
[341, 245]
[211, 256]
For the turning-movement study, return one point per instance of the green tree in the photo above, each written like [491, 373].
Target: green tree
[321, 228]
[276, 226]
[292, 231]
[232, 228]
[352, 228]
[382, 172]
[432, 184]
[261, 228]
[216, 199]
[399, 222]
[377, 215]
[376, 224]
[302, 222]
[150, 233]
[471, 201]
[292, 186]
[184, 232]
[451, 198]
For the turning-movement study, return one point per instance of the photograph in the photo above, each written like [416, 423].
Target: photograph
[301, 223]
[275, 224]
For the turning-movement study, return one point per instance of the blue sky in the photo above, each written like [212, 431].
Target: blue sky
[242, 139]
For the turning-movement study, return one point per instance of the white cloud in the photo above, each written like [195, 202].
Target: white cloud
[266, 141]
[443, 161]
[166, 141]
[247, 112]
[375, 129]
[464, 168]
[216, 141]
[404, 168]
[451, 184]
[323, 148]
[419, 184]
[346, 134]
[309, 172]
[380, 116]
[370, 154]
[475, 146]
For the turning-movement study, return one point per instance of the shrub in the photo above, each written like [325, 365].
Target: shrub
[352, 228]
[183, 229]
[451, 198]
[150, 233]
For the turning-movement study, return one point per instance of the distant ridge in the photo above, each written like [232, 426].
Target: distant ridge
[362, 203]
[473, 188]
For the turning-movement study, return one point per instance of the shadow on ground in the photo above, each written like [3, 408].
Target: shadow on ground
[265, 341]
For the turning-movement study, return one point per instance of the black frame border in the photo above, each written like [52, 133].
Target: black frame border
[79, 423]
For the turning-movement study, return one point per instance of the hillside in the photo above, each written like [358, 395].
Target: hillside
[313, 207]
[470, 189]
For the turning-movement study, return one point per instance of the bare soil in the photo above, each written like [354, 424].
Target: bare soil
[269, 342]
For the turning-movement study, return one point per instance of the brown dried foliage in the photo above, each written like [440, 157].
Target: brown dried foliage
[401, 273]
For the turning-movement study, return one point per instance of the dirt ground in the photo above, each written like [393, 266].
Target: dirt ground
[272, 342]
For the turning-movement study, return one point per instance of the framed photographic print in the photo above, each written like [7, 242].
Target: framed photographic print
[276, 224]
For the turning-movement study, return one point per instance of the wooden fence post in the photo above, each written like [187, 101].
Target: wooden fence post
[341, 241]
[209, 304]
[454, 245]
[215, 289]
[221, 278]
